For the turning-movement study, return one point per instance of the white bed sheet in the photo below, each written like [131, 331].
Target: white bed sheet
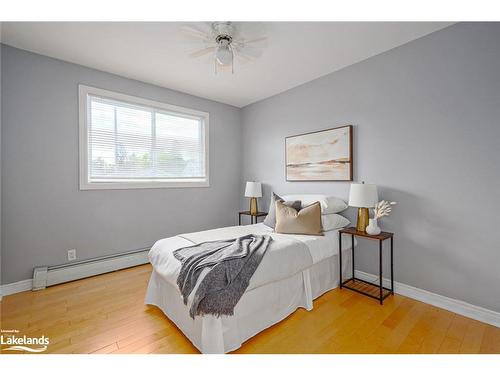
[286, 255]
[285, 281]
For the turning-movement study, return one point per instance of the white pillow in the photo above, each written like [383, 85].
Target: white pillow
[333, 221]
[329, 205]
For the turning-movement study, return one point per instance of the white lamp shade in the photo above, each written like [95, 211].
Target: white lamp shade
[363, 195]
[253, 189]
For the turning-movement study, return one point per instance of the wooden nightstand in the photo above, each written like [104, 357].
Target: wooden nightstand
[369, 289]
[259, 214]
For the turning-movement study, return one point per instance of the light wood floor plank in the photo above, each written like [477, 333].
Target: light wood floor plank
[491, 340]
[106, 314]
[473, 338]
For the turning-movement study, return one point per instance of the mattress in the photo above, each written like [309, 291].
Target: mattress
[295, 270]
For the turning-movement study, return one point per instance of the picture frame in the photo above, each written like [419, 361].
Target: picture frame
[323, 155]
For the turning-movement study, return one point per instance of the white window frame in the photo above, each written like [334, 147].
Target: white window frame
[84, 108]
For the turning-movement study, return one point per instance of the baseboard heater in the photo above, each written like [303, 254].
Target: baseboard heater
[52, 275]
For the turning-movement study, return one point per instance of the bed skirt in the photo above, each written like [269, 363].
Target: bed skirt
[257, 309]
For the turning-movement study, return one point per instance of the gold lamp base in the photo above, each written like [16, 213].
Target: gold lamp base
[253, 206]
[363, 216]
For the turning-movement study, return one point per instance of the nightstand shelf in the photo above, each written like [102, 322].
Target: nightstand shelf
[367, 288]
[377, 291]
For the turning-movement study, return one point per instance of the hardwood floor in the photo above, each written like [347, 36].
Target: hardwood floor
[106, 314]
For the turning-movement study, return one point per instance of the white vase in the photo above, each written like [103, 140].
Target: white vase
[373, 228]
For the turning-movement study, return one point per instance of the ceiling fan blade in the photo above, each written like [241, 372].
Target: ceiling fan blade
[249, 51]
[261, 39]
[194, 32]
[243, 43]
[202, 52]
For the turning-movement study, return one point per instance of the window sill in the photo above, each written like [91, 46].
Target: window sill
[105, 185]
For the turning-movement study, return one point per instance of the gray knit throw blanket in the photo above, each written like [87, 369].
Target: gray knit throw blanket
[230, 265]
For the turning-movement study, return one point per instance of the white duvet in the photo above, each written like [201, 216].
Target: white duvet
[286, 255]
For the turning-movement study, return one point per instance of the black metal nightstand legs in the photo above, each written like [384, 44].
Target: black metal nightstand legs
[380, 272]
[340, 261]
[352, 251]
[392, 266]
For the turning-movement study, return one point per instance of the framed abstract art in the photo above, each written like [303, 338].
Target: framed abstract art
[324, 155]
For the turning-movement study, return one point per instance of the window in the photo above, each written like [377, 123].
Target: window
[129, 143]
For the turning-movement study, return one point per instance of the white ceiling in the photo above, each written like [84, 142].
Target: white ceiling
[157, 53]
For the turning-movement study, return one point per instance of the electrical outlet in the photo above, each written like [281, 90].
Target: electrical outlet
[72, 254]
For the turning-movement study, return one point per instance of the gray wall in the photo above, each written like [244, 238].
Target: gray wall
[426, 118]
[44, 212]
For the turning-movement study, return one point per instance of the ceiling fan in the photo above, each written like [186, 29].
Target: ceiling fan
[223, 41]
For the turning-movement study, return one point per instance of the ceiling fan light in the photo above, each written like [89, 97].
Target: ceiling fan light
[224, 56]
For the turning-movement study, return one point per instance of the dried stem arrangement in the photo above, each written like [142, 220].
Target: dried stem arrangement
[383, 208]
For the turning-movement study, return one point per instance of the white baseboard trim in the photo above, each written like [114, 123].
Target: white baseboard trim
[48, 276]
[75, 271]
[17, 287]
[450, 304]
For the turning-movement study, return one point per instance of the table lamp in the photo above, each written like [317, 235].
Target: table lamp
[363, 196]
[253, 191]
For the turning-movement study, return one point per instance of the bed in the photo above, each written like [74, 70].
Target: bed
[295, 270]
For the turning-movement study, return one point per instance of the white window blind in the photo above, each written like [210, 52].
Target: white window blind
[131, 144]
